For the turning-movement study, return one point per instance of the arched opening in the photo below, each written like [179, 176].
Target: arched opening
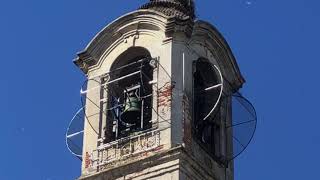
[207, 89]
[129, 95]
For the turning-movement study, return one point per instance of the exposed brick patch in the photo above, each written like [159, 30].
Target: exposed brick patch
[87, 160]
[165, 98]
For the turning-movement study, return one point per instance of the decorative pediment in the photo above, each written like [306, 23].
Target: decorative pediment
[127, 29]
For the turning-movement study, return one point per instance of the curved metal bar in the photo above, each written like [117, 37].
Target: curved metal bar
[254, 129]
[68, 136]
[220, 95]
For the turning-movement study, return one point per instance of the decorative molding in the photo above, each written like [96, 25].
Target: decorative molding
[84, 61]
[185, 162]
[127, 29]
[209, 38]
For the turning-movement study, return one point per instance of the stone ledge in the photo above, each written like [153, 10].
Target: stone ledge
[173, 160]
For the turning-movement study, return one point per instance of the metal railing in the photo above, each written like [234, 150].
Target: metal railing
[124, 148]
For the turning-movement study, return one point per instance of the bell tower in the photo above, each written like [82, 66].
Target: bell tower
[157, 100]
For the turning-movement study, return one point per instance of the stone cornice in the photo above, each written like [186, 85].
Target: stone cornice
[121, 28]
[186, 162]
[146, 21]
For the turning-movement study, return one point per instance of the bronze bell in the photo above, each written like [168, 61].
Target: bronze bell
[132, 109]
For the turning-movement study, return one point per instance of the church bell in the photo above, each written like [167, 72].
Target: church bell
[132, 109]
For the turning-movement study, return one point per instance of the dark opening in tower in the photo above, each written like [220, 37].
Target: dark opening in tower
[206, 103]
[129, 95]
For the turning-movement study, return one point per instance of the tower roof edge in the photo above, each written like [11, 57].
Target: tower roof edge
[178, 8]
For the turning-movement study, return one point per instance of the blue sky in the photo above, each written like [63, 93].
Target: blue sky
[276, 44]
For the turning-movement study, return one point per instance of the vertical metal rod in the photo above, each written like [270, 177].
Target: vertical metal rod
[101, 131]
[157, 95]
[117, 128]
[117, 119]
[183, 71]
[98, 160]
[141, 120]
